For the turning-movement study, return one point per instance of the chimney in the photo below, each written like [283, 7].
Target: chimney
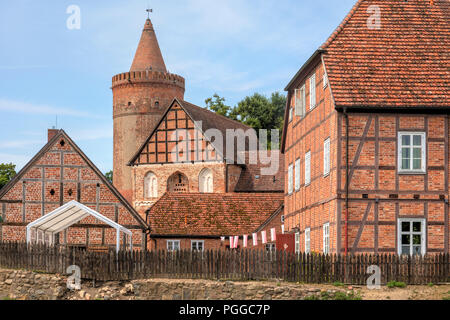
[52, 133]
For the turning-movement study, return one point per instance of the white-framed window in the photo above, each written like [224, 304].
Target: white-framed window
[290, 179]
[308, 240]
[411, 236]
[312, 92]
[173, 245]
[205, 181]
[297, 175]
[197, 245]
[326, 157]
[297, 242]
[325, 79]
[150, 185]
[308, 168]
[326, 238]
[300, 101]
[412, 153]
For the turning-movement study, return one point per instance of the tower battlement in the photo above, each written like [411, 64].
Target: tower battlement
[148, 76]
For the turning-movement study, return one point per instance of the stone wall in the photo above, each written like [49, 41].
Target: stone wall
[27, 285]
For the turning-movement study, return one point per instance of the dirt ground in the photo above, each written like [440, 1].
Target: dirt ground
[427, 292]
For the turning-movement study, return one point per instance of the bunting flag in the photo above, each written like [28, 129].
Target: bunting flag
[231, 242]
[255, 239]
[263, 237]
[244, 241]
[236, 242]
[282, 229]
[273, 234]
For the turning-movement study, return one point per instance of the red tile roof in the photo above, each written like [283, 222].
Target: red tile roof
[406, 63]
[212, 214]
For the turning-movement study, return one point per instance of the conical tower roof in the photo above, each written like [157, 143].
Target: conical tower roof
[148, 54]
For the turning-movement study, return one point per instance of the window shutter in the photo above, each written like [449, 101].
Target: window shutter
[308, 168]
[297, 102]
[303, 100]
[297, 175]
[290, 178]
[326, 157]
[312, 91]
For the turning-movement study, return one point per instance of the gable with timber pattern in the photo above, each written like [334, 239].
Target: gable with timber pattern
[176, 139]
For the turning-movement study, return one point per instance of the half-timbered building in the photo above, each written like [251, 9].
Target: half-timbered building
[366, 135]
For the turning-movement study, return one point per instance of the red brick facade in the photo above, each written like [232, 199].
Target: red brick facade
[59, 173]
[388, 130]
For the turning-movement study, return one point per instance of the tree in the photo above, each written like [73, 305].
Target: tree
[7, 172]
[109, 176]
[216, 104]
[256, 111]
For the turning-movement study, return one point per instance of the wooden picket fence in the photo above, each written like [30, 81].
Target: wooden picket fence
[225, 265]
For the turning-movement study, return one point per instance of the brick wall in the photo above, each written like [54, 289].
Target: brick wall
[57, 177]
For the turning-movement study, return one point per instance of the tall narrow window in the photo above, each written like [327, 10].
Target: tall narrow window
[150, 185]
[297, 175]
[291, 111]
[300, 102]
[325, 80]
[411, 236]
[326, 157]
[205, 181]
[412, 152]
[297, 242]
[312, 91]
[326, 238]
[290, 178]
[308, 168]
[308, 240]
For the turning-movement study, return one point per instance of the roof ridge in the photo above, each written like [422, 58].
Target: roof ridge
[341, 25]
[217, 114]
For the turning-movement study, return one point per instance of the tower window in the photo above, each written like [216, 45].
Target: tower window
[52, 192]
[129, 103]
[157, 104]
[62, 143]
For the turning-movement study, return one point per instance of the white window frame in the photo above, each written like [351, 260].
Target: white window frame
[326, 157]
[308, 240]
[170, 243]
[308, 168]
[312, 92]
[300, 101]
[297, 175]
[297, 243]
[400, 147]
[325, 80]
[326, 238]
[196, 242]
[290, 179]
[422, 233]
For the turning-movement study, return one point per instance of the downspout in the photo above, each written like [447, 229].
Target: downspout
[346, 179]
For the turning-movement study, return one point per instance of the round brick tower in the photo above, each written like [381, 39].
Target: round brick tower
[140, 97]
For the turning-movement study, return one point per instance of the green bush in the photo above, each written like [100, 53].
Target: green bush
[396, 284]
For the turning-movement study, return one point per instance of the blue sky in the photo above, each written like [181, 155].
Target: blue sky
[231, 47]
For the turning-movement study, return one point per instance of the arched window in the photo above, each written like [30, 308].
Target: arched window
[150, 185]
[206, 181]
[178, 182]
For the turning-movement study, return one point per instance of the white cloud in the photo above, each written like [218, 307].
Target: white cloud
[19, 160]
[30, 108]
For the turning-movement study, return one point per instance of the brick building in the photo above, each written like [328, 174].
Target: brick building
[59, 173]
[366, 136]
[165, 147]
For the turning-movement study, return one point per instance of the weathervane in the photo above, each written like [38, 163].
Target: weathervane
[148, 12]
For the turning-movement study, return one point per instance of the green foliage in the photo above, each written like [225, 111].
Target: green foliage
[336, 296]
[431, 284]
[338, 284]
[7, 172]
[216, 104]
[396, 284]
[109, 176]
[256, 111]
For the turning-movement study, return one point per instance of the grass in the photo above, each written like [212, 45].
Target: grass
[396, 284]
[338, 284]
[336, 296]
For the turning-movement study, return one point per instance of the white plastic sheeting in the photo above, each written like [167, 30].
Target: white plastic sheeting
[66, 216]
